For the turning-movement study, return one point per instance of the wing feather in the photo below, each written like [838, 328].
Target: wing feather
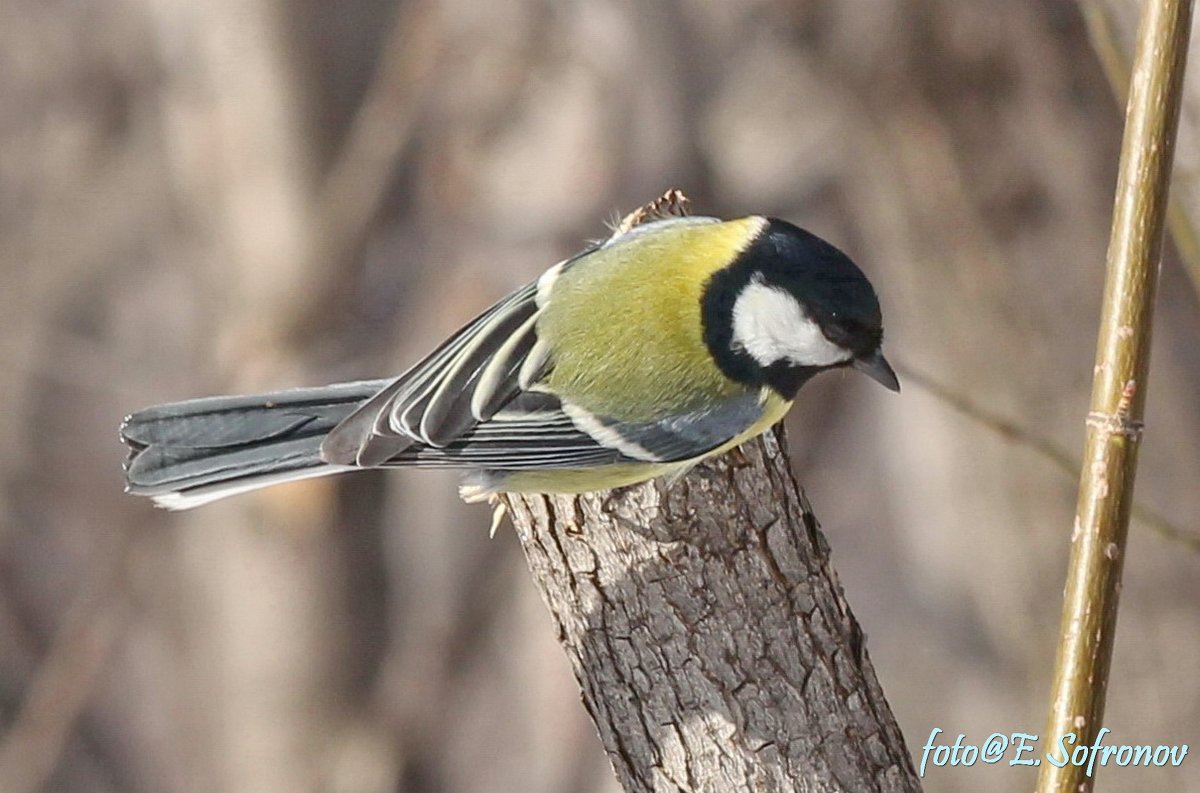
[571, 438]
[498, 381]
[448, 414]
[431, 403]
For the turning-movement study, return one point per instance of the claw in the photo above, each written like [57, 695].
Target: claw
[499, 511]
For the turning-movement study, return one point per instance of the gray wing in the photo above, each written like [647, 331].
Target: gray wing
[460, 385]
[567, 437]
[473, 403]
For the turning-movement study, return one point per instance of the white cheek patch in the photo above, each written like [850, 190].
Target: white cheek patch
[771, 326]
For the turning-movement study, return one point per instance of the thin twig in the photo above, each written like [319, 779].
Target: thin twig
[1050, 451]
[1114, 424]
[1097, 17]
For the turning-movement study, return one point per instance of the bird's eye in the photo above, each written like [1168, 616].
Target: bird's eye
[854, 334]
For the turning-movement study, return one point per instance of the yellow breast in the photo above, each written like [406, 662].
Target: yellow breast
[626, 320]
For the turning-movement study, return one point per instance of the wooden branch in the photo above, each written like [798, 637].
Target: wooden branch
[1114, 424]
[709, 633]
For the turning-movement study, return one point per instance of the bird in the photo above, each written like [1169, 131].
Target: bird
[676, 338]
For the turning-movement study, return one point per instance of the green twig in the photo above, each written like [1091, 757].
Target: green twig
[1114, 424]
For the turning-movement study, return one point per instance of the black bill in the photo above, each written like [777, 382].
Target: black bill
[876, 367]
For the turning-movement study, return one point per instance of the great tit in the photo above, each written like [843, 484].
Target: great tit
[673, 340]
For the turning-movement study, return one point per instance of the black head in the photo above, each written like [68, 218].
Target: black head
[792, 305]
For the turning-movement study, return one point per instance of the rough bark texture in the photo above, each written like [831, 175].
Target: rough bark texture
[709, 633]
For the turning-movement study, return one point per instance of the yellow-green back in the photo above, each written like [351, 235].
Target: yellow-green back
[624, 323]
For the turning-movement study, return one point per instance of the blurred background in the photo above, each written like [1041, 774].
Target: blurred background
[236, 195]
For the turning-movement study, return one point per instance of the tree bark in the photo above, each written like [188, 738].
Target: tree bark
[711, 639]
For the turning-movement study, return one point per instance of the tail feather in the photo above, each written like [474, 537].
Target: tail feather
[189, 453]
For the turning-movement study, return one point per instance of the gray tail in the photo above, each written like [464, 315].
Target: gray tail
[185, 454]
